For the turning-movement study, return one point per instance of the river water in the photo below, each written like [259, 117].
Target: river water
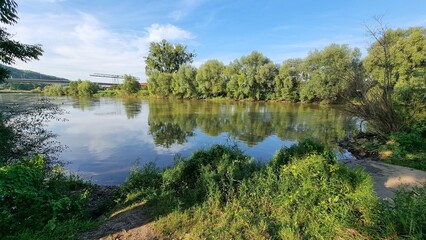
[107, 136]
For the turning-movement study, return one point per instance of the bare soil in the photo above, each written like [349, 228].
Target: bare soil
[387, 177]
[129, 223]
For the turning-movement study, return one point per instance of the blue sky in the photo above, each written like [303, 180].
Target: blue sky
[81, 37]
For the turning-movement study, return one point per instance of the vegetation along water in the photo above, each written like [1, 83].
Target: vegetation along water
[253, 162]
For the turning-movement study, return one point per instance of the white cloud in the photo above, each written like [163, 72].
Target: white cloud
[78, 44]
[157, 32]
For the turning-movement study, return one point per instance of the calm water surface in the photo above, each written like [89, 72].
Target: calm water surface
[107, 136]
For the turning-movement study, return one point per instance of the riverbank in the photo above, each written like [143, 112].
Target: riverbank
[296, 186]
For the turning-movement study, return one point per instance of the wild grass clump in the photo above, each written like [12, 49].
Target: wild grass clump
[405, 216]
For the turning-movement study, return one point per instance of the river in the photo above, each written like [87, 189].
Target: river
[105, 137]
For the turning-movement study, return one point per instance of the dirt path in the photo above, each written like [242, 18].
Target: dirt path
[387, 177]
[129, 223]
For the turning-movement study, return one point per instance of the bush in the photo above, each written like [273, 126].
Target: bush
[33, 198]
[309, 197]
[303, 148]
[130, 85]
[54, 90]
[87, 88]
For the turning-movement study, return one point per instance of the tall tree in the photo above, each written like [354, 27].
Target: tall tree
[164, 58]
[288, 80]
[394, 57]
[251, 76]
[332, 71]
[407, 64]
[210, 79]
[130, 84]
[10, 50]
[183, 84]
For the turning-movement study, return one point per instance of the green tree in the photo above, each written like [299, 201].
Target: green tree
[251, 76]
[164, 58]
[407, 64]
[183, 84]
[10, 50]
[210, 79]
[395, 67]
[288, 80]
[87, 88]
[332, 72]
[130, 84]
[73, 88]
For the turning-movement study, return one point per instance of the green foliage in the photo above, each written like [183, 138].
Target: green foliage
[33, 198]
[407, 148]
[10, 50]
[253, 77]
[147, 181]
[87, 88]
[406, 216]
[288, 80]
[75, 88]
[285, 155]
[54, 90]
[332, 71]
[130, 85]
[160, 84]
[395, 69]
[183, 82]
[210, 79]
[311, 197]
[165, 57]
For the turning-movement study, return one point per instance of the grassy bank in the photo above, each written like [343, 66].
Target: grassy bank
[302, 193]
[405, 148]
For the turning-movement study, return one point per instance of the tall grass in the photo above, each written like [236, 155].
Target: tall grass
[302, 193]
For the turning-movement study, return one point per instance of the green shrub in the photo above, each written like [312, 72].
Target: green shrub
[130, 85]
[32, 198]
[87, 88]
[54, 90]
[310, 198]
[219, 167]
[308, 146]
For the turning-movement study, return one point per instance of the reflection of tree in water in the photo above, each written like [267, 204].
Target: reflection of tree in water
[85, 103]
[166, 133]
[132, 107]
[251, 122]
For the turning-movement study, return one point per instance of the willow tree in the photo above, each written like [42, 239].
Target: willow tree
[11, 50]
[332, 71]
[251, 76]
[165, 58]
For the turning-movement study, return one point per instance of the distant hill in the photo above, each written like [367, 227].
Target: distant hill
[27, 74]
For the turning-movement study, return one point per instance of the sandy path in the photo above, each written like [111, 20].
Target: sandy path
[387, 177]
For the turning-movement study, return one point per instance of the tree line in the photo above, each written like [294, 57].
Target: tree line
[330, 75]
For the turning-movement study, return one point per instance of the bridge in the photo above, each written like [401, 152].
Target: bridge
[62, 82]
